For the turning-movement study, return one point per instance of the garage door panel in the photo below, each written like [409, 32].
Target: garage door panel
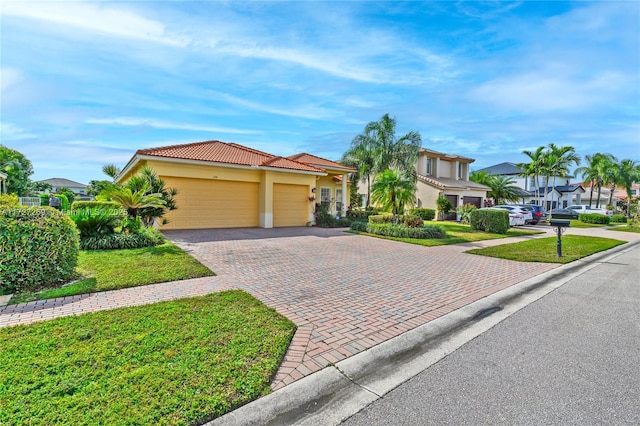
[290, 205]
[204, 203]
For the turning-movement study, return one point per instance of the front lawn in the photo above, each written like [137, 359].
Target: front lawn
[456, 233]
[114, 269]
[544, 249]
[181, 362]
[623, 227]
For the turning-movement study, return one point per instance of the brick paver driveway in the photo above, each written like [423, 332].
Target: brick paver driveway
[345, 292]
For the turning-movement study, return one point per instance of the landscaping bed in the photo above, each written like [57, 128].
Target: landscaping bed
[181, 362]
[101, 270]
[574, 247]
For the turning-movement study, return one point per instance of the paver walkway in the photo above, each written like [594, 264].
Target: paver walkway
[346, 293]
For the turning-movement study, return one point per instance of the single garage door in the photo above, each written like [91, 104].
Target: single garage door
[476, 201]
[290, 205]
[205, 203]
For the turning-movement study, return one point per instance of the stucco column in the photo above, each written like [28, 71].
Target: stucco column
[266, 201]
[436, 172]
[343, 211]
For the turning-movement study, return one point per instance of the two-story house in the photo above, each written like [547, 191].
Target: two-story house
[447, 175]
[77, 188]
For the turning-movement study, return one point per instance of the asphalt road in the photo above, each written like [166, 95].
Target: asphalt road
[572, 357]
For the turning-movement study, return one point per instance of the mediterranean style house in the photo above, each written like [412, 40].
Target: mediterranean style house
[226, 185]
[446, 175]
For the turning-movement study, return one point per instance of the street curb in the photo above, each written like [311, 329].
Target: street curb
[336, 392]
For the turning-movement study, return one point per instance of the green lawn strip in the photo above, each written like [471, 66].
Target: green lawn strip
[544, 249]
[115, 269]
[626, 228]
[456, 233]
[181, 362]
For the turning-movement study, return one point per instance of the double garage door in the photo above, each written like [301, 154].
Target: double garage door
[204, 203]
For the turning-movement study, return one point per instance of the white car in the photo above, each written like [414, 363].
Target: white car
[527, 214]
[515, 218]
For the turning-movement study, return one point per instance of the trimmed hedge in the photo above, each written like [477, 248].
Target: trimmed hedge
[399, 231]
[39, 248]
[361, 214]
[407, 220]
[147, 237]
[594, 218]
[424, 214]
[618, 218]
[492, 221]
[106, 205]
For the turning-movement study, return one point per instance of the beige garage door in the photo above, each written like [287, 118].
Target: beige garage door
[204, 203]
[290, 205]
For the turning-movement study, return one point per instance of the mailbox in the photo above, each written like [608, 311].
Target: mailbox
[560, 225]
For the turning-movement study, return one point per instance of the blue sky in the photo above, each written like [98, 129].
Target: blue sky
[89, 83]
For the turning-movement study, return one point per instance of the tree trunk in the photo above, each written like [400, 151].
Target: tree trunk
[613, 188]
[598, 200]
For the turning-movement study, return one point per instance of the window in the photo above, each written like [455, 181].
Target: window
[338, 200]
[460, 169]
[325, 195]
[429, 170]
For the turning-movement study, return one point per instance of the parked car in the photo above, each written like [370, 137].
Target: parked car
[515, 218]
[564, 214]
[525, 212]
[591, 210]
[538, 212]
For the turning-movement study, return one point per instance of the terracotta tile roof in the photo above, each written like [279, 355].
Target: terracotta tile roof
[228, 153]
[319, 161]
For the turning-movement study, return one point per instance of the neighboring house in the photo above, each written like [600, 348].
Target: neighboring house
[557, 192]
[77, 188]
[446, 175]
[621, 193]
[3, 183]
[226, 185]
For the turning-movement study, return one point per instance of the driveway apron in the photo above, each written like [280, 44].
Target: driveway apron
[345, 292]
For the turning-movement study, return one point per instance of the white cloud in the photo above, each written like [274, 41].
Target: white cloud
[9, 131]
[94, 17]
[159, 124]
[307, 111]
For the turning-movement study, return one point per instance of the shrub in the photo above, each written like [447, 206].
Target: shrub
[400, 231]
[8, 200]
[594, 218]
[465, 211]
[106, 205]
[492, 221]
[381, 218]
[361, 214]
[619, 218]
[44, 199]
[444, 206]
[424, 214]
[39, 248]
[413, 221]
[147, 237]
[97, 221]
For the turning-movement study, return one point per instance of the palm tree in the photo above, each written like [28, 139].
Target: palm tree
[557, 162]
[629, 173]
[111, 170]
[594, 171]
[393, 191]
[377, 149]
[148, 180]
[502, 190]
[532, 168]
[133, 201]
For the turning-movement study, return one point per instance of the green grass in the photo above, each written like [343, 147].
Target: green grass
[544, 249]
[115, 269]
[626, 228]
[171, 363]
[456, 233]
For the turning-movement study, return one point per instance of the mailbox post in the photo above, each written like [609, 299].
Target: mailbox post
[560, 225]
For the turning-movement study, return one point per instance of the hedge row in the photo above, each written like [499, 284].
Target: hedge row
[39, 248]
[424, 214]
[400, 231]
[147, 237]
[361, 215]
[406, 220]
[594, 218]
[619, 218]
[492, 221]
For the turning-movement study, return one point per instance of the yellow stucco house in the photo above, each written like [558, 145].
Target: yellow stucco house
[226, 185]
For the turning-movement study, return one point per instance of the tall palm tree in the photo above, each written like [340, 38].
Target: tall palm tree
[557, 162]
[594, 171]
[629, 173]
[360, 156]
[393, 191]
[532, 168]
